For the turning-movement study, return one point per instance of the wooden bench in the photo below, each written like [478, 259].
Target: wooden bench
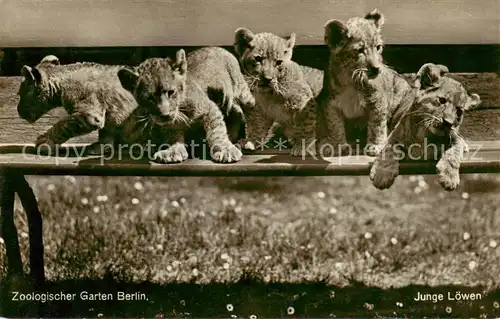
[481, 127]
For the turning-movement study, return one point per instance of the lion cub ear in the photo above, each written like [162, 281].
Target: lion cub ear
[32, 75]
[128, 79]
[430, 75]
[242, 39]
[50, 59]
[335, 33]
[181, 61]
[377, 17]
[473, 100]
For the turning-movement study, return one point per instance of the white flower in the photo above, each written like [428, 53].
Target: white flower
[225, 266]
[51, 187]
[368, 235]
[493, 243]
[135, 201]
[224, 256]
[232, 202]
[175, 203]
[71, 179]
[290, 310]
[138, 186]
[422, 184]
[267, 257]
[102, 198]
[394, 241]
[252, 317]
[159, 247]
[183, 200]
[96, 209]
[333, 210]
[496, 305]
[466, 236]
[448, 309]
[465, 195]
[472, 265]
[321, 195]
[2, 241]
[229, 307]
[195, 272]
[85, 201]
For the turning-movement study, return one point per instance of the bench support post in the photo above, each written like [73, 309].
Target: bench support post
[8, 228]
[30, 205]
[11, 183]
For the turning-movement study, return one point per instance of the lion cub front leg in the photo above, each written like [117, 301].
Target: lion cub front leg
[221, 148]
[105, 143]
[257, 130]
[78, 123]
[385, 167]
[448, 166]
[303, 131]
[175, 153]
[333, 141]
[377, 129]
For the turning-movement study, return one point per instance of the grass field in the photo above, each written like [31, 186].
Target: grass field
[221, 247]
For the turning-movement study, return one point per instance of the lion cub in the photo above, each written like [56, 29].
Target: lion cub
[174, 95]
[358, 85]
[282, 92]
[426, 127]
[91, 93]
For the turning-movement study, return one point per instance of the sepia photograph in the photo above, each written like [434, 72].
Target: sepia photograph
[249, 159]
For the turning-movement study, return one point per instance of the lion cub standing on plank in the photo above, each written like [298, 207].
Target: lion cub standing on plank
[284, 91]
[426, 127]
[357, 84]
[175, 95]
[91, 93]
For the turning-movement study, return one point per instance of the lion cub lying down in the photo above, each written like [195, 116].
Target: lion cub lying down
[175, 95]
[427, 128]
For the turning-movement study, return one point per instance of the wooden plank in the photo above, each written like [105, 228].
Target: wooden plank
[484, 157]
[33, 23]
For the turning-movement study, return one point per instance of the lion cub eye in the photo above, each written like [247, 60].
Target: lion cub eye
[442, 100]
[279, 62]
[258, 58]
[168, 93]
[361, 50]
[379, 47]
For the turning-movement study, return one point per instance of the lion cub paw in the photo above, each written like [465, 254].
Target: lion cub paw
[228, 154]
[247, 145]
[46, 142]
[308, 149]
[448, 177]
[174, 154]
[383, 173]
